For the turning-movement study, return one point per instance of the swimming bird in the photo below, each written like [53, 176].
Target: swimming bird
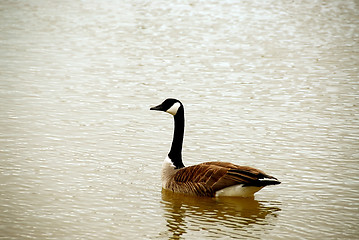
[212, 179]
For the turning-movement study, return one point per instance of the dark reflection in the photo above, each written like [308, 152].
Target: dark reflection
[222, 217]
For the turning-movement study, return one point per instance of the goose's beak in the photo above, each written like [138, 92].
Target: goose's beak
[157, 108]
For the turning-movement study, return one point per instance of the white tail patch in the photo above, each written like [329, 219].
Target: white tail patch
[173, 110]
[238, 191]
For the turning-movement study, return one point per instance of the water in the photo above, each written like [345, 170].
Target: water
[270, 84]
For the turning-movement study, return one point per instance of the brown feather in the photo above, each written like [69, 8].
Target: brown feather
[206, 178]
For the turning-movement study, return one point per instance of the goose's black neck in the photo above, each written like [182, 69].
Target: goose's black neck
[175, 153]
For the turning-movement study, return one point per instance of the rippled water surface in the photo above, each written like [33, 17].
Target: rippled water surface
[270, 84]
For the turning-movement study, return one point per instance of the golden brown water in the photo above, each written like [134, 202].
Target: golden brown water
[270, 84]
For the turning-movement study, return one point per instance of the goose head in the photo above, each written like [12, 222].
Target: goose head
[170, 105]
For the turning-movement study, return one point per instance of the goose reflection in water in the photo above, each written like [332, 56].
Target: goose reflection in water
[216, 217]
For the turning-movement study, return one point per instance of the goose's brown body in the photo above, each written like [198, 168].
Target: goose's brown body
[211, 178]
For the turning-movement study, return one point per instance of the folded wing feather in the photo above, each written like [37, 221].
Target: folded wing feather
[207, 178]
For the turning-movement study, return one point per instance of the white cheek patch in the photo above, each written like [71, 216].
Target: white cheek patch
[173, 110]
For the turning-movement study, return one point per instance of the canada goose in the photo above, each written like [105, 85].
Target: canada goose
[213, 179]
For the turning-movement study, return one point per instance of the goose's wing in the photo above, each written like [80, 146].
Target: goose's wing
[214, 176]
